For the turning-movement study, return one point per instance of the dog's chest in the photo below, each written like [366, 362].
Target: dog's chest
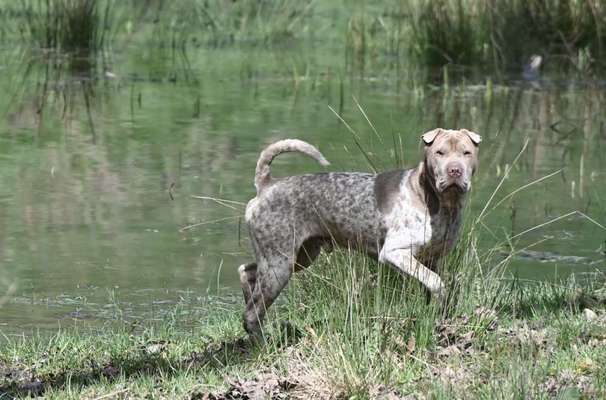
[443, 232]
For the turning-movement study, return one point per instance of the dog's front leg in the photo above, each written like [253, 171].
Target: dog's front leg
[404, 261]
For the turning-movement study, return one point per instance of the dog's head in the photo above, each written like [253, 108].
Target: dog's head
[451, 158]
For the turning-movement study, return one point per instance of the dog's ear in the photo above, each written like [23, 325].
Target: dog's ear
[429, 137]
[475, 138]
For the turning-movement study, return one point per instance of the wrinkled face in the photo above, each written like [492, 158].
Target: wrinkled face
[451, 158]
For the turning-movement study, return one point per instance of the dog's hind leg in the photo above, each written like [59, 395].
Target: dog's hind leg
[248, 279]
[272, 275]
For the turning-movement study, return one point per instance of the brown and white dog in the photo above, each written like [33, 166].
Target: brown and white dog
[409, 218]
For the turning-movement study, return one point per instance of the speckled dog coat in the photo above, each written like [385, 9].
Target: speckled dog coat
[408, 219]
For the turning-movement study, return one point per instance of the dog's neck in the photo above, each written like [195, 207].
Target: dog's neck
[449, 202]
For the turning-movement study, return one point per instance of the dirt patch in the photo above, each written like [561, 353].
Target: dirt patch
[272, 386]
[456, 336]
[19, 379]
[264, 386]
[569, 384]
[524, 335]
[459, 347]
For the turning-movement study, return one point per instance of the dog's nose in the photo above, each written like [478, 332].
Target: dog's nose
[454, 170]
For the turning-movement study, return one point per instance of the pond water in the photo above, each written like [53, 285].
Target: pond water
[98, 170]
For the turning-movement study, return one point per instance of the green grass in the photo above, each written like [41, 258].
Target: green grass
[89, 25]
[356, 330]
[68, 25]
[480, 33]
[484, 34]
[506, 33]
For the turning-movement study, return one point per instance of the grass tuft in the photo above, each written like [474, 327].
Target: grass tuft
[506, 33]
[67, 25]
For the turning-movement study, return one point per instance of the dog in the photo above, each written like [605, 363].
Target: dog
[407, 218]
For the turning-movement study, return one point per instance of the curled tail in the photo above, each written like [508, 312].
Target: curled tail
[263, 173]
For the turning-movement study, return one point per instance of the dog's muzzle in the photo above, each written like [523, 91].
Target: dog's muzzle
[460, 185]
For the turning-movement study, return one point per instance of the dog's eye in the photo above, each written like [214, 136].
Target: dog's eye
[440, 152]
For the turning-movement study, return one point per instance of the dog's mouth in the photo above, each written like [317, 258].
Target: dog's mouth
[455, 186]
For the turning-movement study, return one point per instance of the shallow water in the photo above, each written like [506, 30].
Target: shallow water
[98, 169]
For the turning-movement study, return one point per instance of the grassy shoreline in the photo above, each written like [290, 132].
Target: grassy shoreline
[355, 330]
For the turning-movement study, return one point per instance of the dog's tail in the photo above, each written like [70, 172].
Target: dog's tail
[263, 173]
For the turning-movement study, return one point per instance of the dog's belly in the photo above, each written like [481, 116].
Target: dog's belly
[366, 236]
